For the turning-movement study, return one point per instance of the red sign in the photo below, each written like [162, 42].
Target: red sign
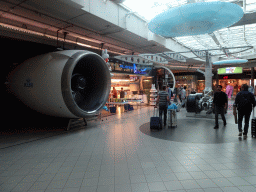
[225, 77]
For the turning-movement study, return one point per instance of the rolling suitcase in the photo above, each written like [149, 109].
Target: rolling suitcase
[253, 127]
[112, 109]
[155, 122]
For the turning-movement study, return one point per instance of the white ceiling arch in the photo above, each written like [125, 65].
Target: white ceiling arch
[108, 25]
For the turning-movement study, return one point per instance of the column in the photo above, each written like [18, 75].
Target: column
[252, 77]
[208, 74]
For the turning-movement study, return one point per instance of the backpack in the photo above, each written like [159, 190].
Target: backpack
[246, 101]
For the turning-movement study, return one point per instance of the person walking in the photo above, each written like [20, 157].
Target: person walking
[175, 92]
[122, 93]
[163, 100]
[183, 96]
[220, 103]
[243, 104]
[114, 92]
[179, 93]
[169, 91]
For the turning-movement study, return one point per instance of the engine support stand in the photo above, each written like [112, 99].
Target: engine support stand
[75, 123]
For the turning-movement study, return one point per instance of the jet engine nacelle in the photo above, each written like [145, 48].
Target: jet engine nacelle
[70, 83]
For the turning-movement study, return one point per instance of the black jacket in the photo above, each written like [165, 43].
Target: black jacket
[220, 98]
[244, 101]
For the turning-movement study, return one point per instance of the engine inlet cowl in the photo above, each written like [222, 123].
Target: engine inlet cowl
[70, 83]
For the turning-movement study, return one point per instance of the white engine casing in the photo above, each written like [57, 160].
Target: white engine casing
[44, 83]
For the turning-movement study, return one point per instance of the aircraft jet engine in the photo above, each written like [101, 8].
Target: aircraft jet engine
[69, 83]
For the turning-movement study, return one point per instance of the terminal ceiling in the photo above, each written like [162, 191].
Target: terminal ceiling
[84, 28]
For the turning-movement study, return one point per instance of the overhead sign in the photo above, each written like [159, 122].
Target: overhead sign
[230, 70]
[120, 66]
[173, 56]
[134, 59]
[200, 54]
[154, 58]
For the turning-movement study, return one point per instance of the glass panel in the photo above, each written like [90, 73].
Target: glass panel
[251, 7]
[227, 37]
[250, 1]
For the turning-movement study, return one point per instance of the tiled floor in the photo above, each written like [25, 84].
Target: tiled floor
[115, 156]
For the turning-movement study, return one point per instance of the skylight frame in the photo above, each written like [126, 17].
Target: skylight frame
[227, 37]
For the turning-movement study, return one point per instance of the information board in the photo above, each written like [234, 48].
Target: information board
[230, 70]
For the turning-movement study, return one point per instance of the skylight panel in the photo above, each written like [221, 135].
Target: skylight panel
[250, 1]
[216, 52]
[190, 42]
[233, 29]
[227, 37]
[251, 7]
[147, 9]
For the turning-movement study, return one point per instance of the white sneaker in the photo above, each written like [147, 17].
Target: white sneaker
[240, 134]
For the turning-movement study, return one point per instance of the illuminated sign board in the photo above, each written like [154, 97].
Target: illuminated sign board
[230, 70]
[120, 66]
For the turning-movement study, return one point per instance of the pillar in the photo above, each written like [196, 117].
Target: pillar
[208, 74]
[217, 78]
[252, 77]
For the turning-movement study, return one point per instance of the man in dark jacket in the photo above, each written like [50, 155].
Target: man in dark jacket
[122, 93]
[163, 100]
[220, 103]
[243, 104]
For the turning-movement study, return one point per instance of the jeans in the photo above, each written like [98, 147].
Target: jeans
[161, 110]
[219, 110]
[246, 114]
[180, 98]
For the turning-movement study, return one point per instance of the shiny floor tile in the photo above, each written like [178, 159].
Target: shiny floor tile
[121, 154]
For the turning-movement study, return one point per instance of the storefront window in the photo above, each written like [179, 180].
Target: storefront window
[200, 86]
[235, 83]
[189, 81]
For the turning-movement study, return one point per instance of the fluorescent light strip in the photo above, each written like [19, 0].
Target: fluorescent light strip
[118, 80]
[53, 29]
[50, 36]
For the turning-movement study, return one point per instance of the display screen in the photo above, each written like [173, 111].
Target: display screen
[230, 70]
[120, 66]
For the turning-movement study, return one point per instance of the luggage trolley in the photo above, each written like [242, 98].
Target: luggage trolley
[172, 118]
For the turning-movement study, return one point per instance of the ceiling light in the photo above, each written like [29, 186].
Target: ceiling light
[119, 80]
[84, 45]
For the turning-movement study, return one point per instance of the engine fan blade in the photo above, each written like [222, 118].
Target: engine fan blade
[78, 98]
[78, 82]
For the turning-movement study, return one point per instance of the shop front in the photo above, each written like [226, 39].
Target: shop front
[128, 85]
[131, 83]
[232, 78]
[227, 80]
[235, 84]
[188, 81]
